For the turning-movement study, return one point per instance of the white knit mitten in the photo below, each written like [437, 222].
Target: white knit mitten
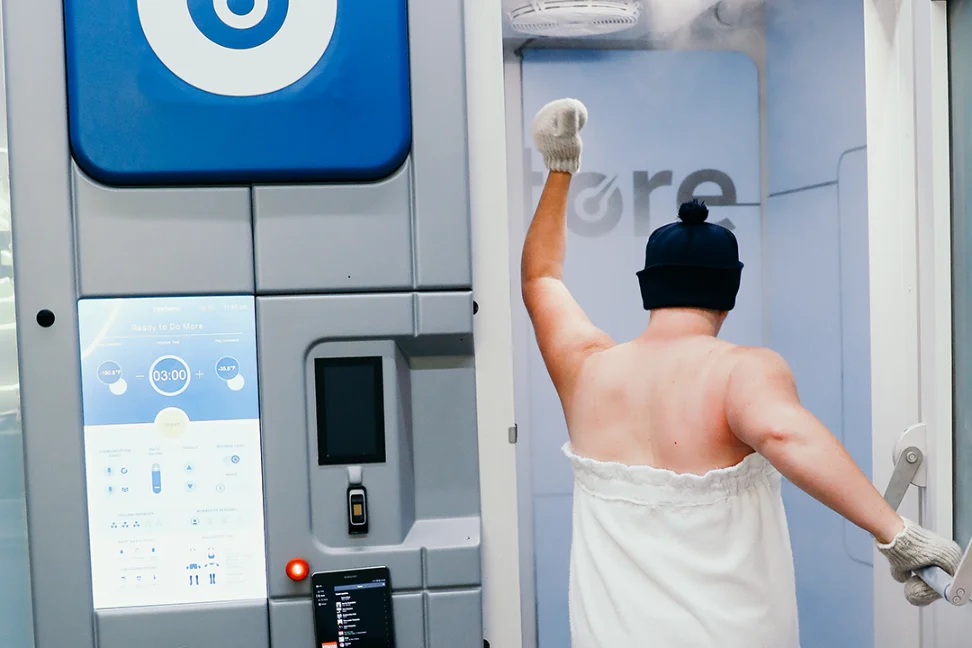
[556, 132]
[914, 548]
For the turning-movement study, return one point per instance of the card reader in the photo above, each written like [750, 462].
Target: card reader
[357, 510]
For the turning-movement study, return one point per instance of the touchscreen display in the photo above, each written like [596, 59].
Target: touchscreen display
[172, 450]
[350, 411]
[352, 609]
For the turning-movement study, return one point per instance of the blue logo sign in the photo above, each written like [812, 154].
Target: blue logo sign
[237, 91]
[241, 49]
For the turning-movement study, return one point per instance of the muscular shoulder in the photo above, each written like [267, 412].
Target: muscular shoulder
[747, 365]
[758, 357]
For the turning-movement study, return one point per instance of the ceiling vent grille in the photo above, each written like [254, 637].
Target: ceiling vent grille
[568, 18]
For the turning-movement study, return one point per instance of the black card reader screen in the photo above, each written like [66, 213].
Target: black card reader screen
[350, 411]
[353, 609]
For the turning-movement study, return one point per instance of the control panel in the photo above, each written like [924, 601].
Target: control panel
[172, 449]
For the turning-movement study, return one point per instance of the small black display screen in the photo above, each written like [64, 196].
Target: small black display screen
[353, 609]
[350, 411]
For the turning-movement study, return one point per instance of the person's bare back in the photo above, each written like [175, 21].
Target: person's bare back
[657, 401]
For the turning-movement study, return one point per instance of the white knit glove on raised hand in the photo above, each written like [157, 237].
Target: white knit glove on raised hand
[914, 548]
[556, 132]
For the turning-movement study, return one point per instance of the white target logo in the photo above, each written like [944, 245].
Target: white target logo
[282, 60]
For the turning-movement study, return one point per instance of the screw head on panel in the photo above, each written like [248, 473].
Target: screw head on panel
[45, 318]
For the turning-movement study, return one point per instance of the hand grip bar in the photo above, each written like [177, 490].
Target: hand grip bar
[954, 589]
[937, 579]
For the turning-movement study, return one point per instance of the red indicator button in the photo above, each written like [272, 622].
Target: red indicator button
[298, 569]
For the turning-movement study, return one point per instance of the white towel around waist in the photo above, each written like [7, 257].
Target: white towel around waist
[662, 560]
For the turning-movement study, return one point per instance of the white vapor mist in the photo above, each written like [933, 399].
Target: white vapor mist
[673, 16]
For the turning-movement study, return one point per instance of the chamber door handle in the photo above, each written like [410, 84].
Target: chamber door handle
[909, 469]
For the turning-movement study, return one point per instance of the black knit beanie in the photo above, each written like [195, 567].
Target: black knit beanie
[691, 264]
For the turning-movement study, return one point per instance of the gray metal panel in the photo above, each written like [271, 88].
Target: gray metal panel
[315, 318]
[452, 557]
[289, 327]
[438, 346]
[334, 237]
[455, 619]
[445, 438]
[454, 566]
[445, 313]
[162, 241]
[451, 551]
[440, 149]
[217, 625]
[49, 357]
[404, 562]
[409, 612]
[292, 622]
[391, 494]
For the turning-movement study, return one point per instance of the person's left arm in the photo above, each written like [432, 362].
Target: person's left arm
[565, 335]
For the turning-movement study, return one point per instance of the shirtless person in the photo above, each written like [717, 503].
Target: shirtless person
[678, 441]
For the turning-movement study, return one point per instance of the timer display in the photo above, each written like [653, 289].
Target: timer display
[170, 375]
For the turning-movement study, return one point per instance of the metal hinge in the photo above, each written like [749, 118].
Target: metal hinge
[909, 464]
[513, 434]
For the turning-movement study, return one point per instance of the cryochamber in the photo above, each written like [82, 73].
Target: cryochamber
[238, 268]
[767, 110]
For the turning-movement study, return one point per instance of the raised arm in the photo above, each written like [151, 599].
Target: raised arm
[565, 336]
[764, 411]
